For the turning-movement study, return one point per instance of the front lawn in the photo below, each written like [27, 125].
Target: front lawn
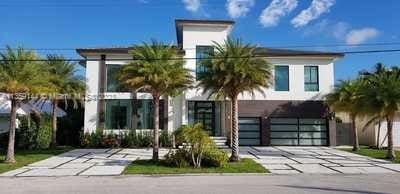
[246, 165]
[25, 157]
[374, 153]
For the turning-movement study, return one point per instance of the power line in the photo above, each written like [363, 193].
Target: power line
[203, 58]
[272, 47]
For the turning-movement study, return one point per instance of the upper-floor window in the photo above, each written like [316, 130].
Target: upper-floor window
[113, 84]
[281, 78]
[311, 78]
[202, 52]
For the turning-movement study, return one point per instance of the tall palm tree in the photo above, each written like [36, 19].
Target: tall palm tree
[159, 70]
[20, 76]
[382, 95]
[347, 97]
[231, 70]
[65, 84]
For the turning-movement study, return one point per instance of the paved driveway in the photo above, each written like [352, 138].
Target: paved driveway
[317, 160]
[84, 162]
[279, 160]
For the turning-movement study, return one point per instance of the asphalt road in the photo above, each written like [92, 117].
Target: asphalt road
[298, 184]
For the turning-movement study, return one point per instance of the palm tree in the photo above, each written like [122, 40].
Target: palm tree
[20, 76]
[64, 82]
[231, 70]
[159, 70]
[347, 97]
[382, 95]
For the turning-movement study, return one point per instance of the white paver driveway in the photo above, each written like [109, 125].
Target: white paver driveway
[319, 160]
[85, 162]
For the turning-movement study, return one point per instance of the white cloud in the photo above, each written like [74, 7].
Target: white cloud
[192, 5]
[239, 8]
[359, 36]
[271, 15]
[316, 9]
[340, 29]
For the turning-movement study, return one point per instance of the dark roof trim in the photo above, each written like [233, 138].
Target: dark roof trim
[186, 21]
[116, 50]
[180, 22]
[272, 52]
[259, 51]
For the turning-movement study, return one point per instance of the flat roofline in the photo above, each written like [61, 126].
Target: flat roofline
[180, 22]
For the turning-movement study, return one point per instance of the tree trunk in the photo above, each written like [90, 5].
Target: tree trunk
[54, 123]
[156, 103]
[11, 138]
[235, 130]
[356, 145]
[390, 154]
[378, 142]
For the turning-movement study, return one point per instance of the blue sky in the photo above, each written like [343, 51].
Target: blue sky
[274, 23]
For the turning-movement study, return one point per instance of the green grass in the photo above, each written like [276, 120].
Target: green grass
[374, 153]
[25, 157]
[150, 167]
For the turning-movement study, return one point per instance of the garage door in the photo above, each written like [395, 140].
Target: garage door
[249, 131]
[298, 131]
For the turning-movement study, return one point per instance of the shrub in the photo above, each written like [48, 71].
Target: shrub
[195, 141]
[128, 140]
[144, 139]
[215, 158]
[109, 141]
[178, 158]
[43, 138]
[92, 140]
[132, 139]
[165, 139]
[35, 136]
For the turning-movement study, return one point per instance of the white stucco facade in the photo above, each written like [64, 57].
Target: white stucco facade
[192, 34]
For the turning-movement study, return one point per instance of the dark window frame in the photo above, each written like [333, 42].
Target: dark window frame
[213, 115]
[200, 73]
[288, 78]
[307, 82]
[120, 88]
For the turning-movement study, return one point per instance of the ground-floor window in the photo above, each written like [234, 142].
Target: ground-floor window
[120, 113]
[298, 131]
[208, 113]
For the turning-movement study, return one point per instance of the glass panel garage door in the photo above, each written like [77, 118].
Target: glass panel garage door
[298, 131]
[249, 131]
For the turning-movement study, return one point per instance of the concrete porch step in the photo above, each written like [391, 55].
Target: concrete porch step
[220, 142]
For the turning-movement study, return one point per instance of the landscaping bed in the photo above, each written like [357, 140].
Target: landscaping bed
[25, 157]
[246, 165]
[373, 153]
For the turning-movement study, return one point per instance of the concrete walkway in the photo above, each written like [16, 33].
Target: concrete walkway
[316, 160]
[84, 162]
[279, 160]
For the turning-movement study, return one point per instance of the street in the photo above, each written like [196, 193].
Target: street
[241, 184]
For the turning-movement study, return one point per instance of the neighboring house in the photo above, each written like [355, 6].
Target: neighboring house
[25, 109]
[291, 113]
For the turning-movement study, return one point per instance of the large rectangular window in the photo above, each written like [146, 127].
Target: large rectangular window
[145, 114]
[281, 78]
[113, 84]
[118, 114]
[311, 78]
[202, 52]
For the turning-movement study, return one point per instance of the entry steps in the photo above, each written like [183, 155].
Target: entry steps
[221, 142]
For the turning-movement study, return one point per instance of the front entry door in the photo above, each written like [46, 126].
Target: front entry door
[204, 114]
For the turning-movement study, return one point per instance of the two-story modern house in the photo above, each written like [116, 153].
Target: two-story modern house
[291, 113]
